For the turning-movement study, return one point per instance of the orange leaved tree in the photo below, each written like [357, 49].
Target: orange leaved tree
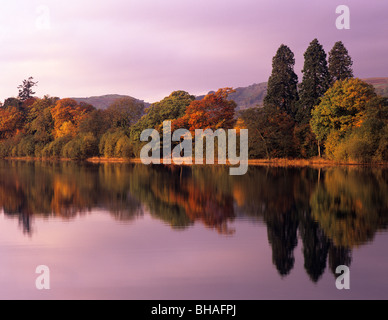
[67, 114]
[214, 112]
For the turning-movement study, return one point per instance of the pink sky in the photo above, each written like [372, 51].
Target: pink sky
[149, 48]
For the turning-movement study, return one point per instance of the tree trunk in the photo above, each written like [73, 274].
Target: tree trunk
[319, 149]
[265, 143]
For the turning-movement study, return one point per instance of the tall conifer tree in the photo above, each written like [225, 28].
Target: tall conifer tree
[340, 63]
[282, 85]
[316, 80]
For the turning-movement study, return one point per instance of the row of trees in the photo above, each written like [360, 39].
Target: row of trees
[329, 111]
[53, 127]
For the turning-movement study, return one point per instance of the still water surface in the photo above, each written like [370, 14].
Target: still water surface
[121, 231]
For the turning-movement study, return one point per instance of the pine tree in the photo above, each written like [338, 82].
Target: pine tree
[340, 63]
[25, 91]
[316, 80]
[282, 85]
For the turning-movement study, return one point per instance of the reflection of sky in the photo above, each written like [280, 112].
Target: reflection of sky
[148, 48]
[94, 256]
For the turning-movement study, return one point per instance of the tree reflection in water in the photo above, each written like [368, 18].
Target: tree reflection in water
[330, 210]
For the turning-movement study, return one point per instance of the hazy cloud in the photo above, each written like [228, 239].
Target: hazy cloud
[148, 48]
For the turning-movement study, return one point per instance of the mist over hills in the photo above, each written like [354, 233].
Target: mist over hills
[245, 97]
[380, 84]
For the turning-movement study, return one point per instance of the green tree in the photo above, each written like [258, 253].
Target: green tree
[316, 80]
[26, 146]
[125, 112]
[341, 109]
[367, 142]
[81, 148]
[270, 133]
[170, 108]
[305, 141]
[39, 120]
[25, 89]
[282, 84]
[12, 102]
[95, 122]
[340, 63]
[72, 150]
[124, 148]
[54, 149]
[115, 143]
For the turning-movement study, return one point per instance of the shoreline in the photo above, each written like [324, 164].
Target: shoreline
[277, 162]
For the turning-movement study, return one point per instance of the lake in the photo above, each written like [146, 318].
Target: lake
[130, 231]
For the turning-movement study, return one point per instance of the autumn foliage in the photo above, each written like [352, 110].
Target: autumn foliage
[67, 115]
[11, 121]
[343, 120]
[351, 122]
[64, 128]
[214, 112]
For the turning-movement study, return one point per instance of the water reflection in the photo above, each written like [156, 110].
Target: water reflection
[330, 211]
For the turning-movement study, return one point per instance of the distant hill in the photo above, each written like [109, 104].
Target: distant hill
[380, 84]
[103, 102]
[245, 97]
[248, 97]
[253, 96]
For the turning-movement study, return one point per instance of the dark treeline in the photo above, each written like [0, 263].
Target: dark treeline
[331, 211]
[329, 113]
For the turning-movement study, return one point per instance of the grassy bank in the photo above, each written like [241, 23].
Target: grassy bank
[278, 162]
[314, 162]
